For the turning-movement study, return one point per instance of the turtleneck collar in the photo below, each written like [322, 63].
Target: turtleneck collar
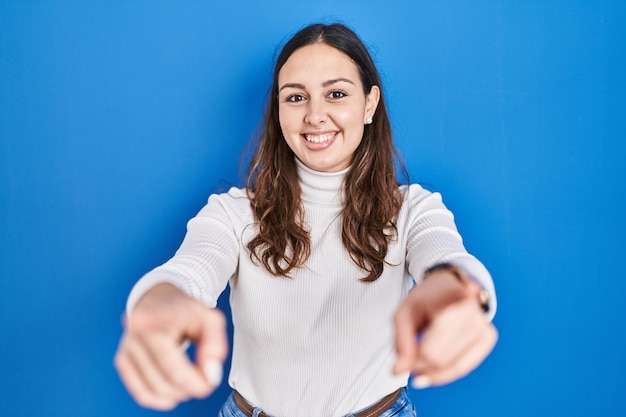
[322, 188]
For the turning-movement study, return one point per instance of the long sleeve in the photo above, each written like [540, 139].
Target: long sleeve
[207, 257]
[432, 237]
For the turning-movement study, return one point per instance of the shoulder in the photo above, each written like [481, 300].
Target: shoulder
[234, 195]
[234, 203]
[419, 203]
[414, 195]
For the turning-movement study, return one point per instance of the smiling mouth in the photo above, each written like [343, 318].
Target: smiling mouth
[319, 138]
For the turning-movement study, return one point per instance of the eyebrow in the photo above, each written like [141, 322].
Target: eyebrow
[324, 84]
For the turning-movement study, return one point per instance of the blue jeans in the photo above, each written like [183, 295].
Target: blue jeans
[403, 407]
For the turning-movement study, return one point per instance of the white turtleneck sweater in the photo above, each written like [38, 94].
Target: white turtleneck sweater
[322, 342]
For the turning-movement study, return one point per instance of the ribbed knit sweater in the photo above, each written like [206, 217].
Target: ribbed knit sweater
[320, 343]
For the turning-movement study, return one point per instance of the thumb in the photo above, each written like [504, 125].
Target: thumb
[212, 346]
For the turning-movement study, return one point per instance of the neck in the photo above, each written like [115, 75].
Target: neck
[322, 188]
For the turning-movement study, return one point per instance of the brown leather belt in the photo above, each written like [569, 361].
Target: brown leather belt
[374, 410]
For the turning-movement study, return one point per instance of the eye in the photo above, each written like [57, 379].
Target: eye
[336, 94]
[295, 98]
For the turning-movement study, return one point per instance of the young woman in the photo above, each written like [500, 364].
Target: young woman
[342, 281]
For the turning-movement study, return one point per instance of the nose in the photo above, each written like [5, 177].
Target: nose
[316, 112]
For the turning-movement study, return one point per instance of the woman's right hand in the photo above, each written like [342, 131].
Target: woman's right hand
[150, 359]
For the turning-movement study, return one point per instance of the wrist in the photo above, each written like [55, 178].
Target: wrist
[158, 292]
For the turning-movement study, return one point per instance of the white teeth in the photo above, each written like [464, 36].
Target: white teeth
[319, 138]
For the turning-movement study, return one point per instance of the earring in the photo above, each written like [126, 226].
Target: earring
[369, 120]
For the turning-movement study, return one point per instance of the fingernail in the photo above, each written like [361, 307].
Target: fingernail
[213, 372]
[421, 382]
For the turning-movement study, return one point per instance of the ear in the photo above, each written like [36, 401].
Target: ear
[371, 102]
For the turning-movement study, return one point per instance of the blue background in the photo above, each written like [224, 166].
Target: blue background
[118, 119]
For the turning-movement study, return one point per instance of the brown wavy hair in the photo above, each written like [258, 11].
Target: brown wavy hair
[372, 197]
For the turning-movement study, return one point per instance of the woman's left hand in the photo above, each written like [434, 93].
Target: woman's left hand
[442, 333]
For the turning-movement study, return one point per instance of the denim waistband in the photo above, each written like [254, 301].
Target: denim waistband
[402, 407]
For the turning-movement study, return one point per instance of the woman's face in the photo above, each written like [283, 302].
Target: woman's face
[321, 106]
